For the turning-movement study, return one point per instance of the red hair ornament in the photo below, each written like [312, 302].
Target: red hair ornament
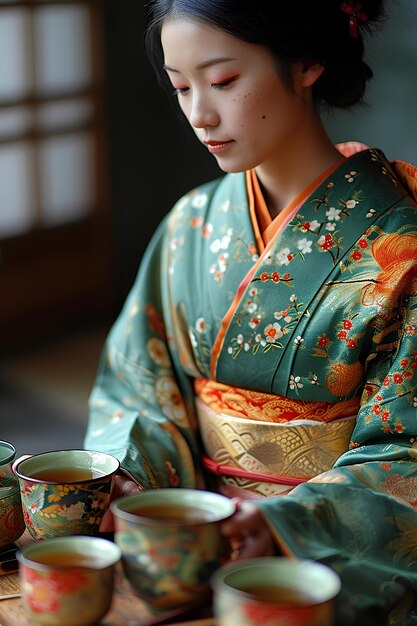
[353, 10]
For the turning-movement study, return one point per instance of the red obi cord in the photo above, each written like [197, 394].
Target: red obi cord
[228, 470]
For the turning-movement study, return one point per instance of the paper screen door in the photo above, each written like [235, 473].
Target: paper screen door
[54, 214]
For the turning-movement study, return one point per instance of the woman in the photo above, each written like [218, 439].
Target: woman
[269, 344]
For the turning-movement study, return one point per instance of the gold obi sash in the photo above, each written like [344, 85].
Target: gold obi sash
[262, 445]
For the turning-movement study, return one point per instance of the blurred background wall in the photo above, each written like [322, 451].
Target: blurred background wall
[92, 154]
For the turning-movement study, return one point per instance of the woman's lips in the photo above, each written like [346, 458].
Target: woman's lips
[215, 147]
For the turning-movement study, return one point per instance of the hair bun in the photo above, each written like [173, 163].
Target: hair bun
[343, 88]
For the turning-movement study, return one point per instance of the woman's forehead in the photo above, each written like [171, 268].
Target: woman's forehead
[200, 42]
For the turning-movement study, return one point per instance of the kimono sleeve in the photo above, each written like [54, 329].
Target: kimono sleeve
[360, 517]
[136, 408]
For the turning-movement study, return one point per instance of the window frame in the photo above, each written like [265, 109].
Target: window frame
[59, 277]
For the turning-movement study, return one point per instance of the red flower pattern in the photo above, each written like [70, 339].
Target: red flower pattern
[47, 589]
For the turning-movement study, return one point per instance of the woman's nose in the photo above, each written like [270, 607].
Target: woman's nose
[202, 114]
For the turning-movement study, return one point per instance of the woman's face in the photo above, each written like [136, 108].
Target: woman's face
[232, 95]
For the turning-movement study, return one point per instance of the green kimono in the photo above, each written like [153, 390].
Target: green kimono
[327, 312]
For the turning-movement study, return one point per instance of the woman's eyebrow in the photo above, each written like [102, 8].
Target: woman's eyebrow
[204, 64]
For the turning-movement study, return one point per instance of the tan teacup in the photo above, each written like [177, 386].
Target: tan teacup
[68, 581]
[171, 544]
[274, 591]
[65, 492]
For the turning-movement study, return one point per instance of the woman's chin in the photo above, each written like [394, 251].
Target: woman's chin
[230, 168]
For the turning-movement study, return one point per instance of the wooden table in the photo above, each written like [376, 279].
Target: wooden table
[126, 609]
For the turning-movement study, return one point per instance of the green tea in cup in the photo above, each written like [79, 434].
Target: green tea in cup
[66, 474]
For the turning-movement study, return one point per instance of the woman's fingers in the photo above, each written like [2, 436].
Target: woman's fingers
[246, 519]
[248, 532]
[122, 487]
[260, 544]
[107, 523]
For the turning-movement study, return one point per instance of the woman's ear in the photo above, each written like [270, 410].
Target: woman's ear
[310, 71]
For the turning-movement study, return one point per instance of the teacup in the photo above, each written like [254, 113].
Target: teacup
[65, 492]
[68, 581]
[7, 456]
[274, 591]
[12, 524]
[171, 544]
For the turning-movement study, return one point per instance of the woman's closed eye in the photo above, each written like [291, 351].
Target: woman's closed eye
[225, 83]
[178, 91]
[182, 91]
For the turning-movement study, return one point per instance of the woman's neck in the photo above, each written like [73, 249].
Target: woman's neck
[310, 154]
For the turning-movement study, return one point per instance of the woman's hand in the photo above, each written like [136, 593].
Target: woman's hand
[123, 486]
[249, 534]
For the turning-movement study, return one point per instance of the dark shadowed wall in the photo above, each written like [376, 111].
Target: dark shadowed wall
[154, 154]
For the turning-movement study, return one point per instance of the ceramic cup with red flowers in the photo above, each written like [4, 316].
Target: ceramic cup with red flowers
[274, 590]
[68, 580]
[11, 515]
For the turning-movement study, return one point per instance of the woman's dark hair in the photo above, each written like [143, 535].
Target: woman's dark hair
[330, 32]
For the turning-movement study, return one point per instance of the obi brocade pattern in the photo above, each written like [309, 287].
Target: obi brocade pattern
[326, 312]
